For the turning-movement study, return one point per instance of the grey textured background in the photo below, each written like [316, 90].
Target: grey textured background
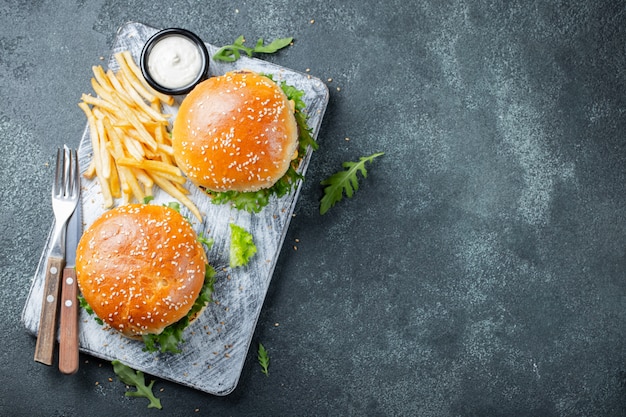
[479, 270]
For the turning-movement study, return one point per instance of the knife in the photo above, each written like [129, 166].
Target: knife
[68, 326]
[65, 193]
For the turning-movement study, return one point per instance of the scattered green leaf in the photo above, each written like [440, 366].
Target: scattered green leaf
[231, 53]
[147, 199]
[242, 246]
[264, 360]
[136, 379]
[344, 181]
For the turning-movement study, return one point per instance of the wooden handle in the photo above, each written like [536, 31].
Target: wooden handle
[46, 338]
[68, 344]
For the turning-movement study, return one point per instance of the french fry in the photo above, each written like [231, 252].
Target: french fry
[130, 115]
[114, 183]
[143, 178]
[115, 83]
[148, 165]
[98, 102]
[115, 143]
[95, 143]
[102, 92]
[176, 179]
[124, 183]
[138, 100]
[165, 149]
[133, 146]
[169, 188]
[132, 149]
[130, 76]
[103, 154]
[101, 77]
[90, 172]
[133, 184]
[130, 62]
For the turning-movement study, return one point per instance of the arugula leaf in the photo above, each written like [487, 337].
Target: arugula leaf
[264, 360]
[242, 247]
[231, 53]
[273, 46]
[136, 379]
[254, 201]
[344, 181]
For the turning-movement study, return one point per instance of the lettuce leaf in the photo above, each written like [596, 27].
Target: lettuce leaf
[242, 246]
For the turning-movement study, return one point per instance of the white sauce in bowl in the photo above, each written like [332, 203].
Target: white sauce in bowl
[174, 62]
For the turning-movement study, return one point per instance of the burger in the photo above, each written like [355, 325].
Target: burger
[142, 271]
[240, 137]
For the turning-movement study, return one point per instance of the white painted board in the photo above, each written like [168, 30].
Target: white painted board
[217, 343]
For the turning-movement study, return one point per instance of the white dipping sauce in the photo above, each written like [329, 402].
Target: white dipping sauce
[174, 62]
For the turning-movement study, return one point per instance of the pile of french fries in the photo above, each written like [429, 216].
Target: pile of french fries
[132, 149]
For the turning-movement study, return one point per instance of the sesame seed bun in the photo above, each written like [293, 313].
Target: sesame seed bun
[140, 267]
[235, 132]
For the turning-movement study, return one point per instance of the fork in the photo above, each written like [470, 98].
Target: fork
[65, 193]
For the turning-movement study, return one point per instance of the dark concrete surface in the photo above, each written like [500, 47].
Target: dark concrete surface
[478, 271]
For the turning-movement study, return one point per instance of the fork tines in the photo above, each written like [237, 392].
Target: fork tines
[65, 181]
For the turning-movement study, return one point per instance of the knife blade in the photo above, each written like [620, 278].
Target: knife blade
[68, 326]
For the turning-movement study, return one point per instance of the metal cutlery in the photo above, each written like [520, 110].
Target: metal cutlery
[65, 195]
